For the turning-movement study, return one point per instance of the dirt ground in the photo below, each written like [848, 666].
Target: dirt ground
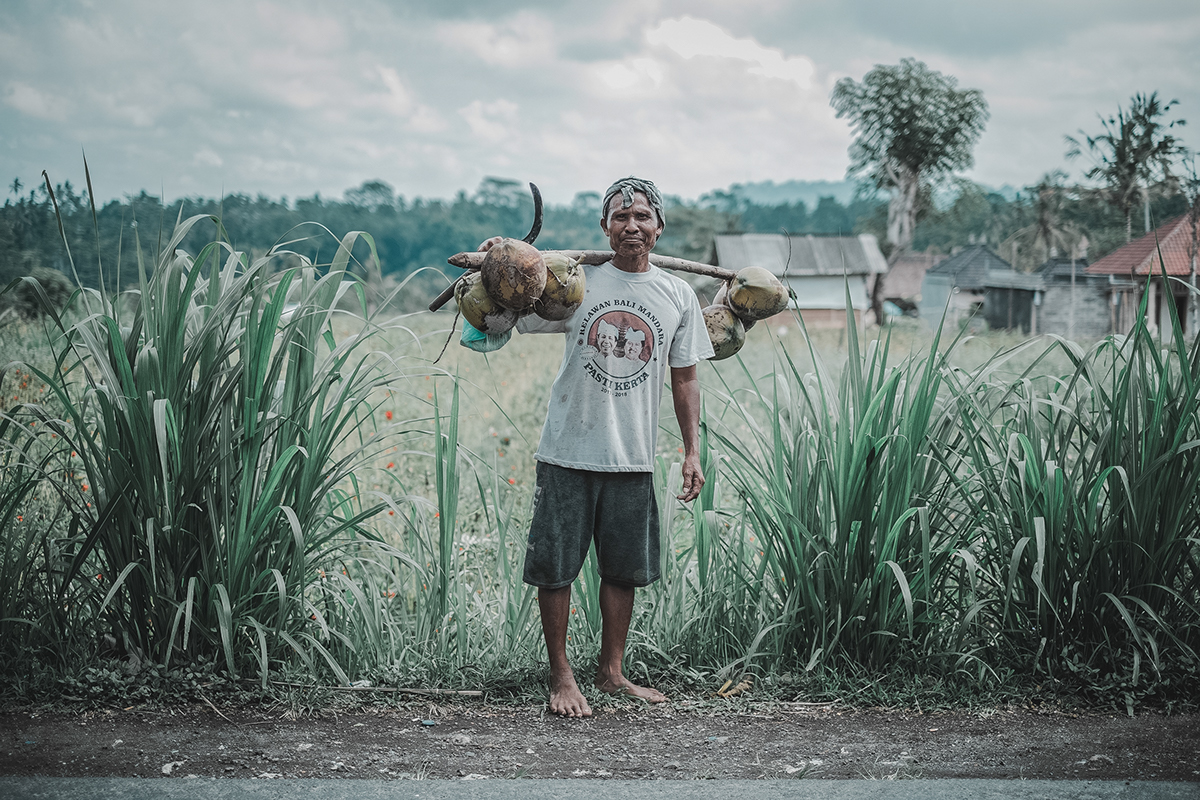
[682, 740]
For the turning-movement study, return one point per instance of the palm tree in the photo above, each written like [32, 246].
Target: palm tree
[1048, 234]
[1134, 153]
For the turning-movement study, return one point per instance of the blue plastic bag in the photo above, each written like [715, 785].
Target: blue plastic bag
[475, 339]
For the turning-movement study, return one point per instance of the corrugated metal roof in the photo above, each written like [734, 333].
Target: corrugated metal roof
[1140, 256]
[970, 266]
[809, 255]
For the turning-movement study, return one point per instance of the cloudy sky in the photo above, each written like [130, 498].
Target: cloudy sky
[292, 97]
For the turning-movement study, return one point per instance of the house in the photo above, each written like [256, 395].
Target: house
[1011, 300]
[1059, 298]
[818, 269]
[956, 286]
[1136, 266]
[902, 283]
[1075, 302]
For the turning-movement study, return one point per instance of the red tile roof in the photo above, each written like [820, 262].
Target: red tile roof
[1140, 256]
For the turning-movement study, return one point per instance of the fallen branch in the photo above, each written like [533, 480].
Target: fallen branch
[214, 708]
[386, 689]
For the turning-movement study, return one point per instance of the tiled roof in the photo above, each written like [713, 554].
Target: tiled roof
[970, 266]
[1140, 256]
[809, 255]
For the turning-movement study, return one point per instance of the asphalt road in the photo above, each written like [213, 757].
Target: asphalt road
[228, 789]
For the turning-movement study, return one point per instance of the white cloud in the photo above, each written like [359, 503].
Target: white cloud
[491, 121]
[638, 74]
[527, 38]
[295, 98]
[206, 157]
[29, 100]
[691, 37]
[398, 99]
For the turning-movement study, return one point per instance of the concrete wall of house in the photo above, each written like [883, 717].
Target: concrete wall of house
[939, 296]
[1085, 316]
[935, 291]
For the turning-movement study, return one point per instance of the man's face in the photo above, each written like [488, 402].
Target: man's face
[605, 342]
[631, 231]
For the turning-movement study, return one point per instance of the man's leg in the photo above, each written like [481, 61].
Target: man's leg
[616, 610]
[565, 697]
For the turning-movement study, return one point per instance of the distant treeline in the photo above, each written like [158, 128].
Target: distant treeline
[411, 234]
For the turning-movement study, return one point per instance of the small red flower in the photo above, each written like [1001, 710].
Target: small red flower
[391, 464]
[512, 482]
[388, 415]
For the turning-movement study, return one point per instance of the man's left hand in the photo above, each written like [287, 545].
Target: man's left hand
[693, 478]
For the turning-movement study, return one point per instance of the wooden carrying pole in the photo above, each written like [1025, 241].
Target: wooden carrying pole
[473, 261]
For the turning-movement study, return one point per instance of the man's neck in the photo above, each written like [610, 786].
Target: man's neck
[639, 263]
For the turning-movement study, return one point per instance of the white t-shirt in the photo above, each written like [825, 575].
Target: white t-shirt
[630, 328]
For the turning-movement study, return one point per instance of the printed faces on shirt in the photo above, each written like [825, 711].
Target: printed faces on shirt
[619, 344]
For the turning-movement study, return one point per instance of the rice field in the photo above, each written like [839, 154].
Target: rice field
[244, 468]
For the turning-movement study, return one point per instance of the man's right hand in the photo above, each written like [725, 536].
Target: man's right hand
[488, 244]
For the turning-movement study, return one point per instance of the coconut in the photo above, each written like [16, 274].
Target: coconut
[725, 331]
[514, 274]
[564, 288]
[479, 309]
[757, 294]
[722, 299]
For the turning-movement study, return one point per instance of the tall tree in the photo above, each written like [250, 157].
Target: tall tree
[1134, 153]
[912, 126]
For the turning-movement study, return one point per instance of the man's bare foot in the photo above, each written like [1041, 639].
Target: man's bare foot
[619, 684]
[565, 698]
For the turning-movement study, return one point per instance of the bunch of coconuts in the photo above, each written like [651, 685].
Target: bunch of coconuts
[753, 294]
[516, 279]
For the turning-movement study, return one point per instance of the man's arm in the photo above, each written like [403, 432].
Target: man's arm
[685, 391]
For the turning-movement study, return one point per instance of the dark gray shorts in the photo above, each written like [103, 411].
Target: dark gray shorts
[573, 507]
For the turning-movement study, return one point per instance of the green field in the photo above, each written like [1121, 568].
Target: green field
[242, 473]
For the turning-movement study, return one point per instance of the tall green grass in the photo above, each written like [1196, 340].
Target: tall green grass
[840, 480]
[1088, 491]
[215, 444]
[893, 504]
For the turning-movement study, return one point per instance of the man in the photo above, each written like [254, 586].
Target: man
[596, 455]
